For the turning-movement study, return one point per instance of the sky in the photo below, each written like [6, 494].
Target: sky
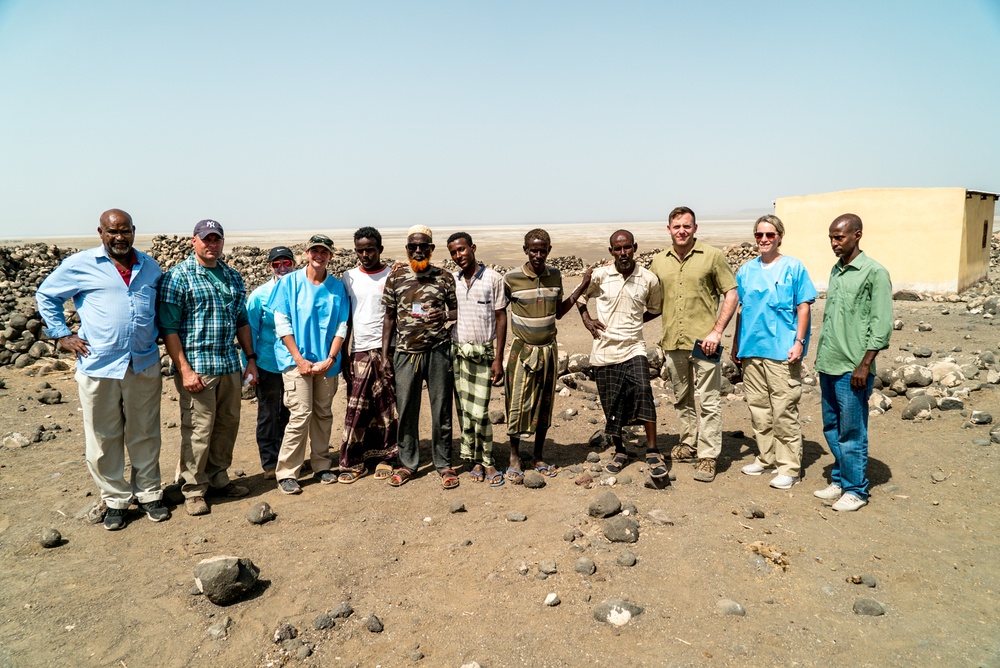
[313, 114]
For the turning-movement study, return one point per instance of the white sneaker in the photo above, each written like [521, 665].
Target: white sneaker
[849, 503]
[784, 481]
[830, 492]
[755, 469]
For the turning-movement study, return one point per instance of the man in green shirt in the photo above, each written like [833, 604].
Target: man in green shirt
[693, 276]
[857, 323]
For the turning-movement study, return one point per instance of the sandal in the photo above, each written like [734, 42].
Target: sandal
[657, 467]
[400, 476]
[478, 476]
[347, 477]
[496, 480]
[546, 470]
[449, 479]
[618, 462]
[382, 470]
[516, 477]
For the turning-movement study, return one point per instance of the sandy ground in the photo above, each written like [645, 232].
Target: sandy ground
[448, 586]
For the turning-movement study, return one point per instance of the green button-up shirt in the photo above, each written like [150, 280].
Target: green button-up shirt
[691, 290]
[857, 317]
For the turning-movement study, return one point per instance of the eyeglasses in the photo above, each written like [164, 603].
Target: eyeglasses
[278, 264]
[416, 247]
[760, 235]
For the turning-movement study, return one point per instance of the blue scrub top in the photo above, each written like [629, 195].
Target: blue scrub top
[769, 297]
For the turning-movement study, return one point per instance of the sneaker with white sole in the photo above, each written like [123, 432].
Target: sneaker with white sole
[848, 503]
[114, 519]
[755, 469]
[155, 510]
[829, 493]
[289, 486]
[784, 481]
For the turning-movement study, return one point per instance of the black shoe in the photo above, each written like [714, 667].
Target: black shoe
[114, 519]
[326, 477]
[155, 510]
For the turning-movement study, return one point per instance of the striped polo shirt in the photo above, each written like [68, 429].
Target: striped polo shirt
[533, 299]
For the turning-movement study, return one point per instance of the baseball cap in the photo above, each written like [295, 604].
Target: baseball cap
[280, 251]
[320, 240]
[206, 227]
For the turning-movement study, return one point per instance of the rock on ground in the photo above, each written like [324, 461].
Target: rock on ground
[616, 611]
[225, 579]
[621, 529]
[604, 504]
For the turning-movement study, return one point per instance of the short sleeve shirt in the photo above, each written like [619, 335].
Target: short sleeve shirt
[478, 302]
[365, 290]
[621, 304]
[769, 297]
[691, 288]
[411, 296]
[534, 301]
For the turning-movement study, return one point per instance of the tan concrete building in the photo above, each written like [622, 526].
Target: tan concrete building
[930, 239]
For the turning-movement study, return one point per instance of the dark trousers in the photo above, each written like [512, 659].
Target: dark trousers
[411, 370]
[272, 417]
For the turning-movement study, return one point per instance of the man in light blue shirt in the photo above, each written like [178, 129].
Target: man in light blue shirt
[113, 288]
[272, 414]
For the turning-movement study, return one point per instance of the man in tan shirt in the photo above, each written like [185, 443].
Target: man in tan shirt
[692, 277]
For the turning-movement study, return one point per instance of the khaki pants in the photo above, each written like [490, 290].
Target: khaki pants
[692, 377]
[309, 400]
[122, 416]
[773, 390]
[210, 420]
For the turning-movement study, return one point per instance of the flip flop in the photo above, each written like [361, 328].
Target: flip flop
[477, 476]
[400, 476]
[348, 477]
[516, 477]
[449, 479]
[618, 462]
[547, 471]
[382, 471]
[496, 480]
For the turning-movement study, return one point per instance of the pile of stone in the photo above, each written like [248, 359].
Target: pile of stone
[740, 254]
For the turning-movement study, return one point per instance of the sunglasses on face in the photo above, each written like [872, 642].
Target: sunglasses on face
[278, 264]
[761, 235]
[416, 247]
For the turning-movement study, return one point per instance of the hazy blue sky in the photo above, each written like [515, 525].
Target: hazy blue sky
[336, 114]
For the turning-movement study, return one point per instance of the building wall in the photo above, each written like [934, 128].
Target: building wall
[921, 235]
[978, 227]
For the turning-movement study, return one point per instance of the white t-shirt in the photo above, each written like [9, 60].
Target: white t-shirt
[365, 291]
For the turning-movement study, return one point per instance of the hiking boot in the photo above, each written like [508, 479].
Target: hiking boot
[705, 470]
[229, 490]
[114, 519]
[829, 493]
[755, 469]
[848, 503]
[784, 481]
[683, 453]
[268, 474]
[289, 486]
[326, 477]
[155, 510]
[196, 505]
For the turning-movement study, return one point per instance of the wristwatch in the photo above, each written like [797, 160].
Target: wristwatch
[802, 341]
[252, 357]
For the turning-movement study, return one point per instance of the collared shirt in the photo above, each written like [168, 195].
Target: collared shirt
[770, 296]
[261, 319]
[365, 290]
[621, 304]
[534, 301]
[211, 308]
[313, 314]
[411, 296]
[691, 288]
[117, 321]
[857, 317]
[478, 302]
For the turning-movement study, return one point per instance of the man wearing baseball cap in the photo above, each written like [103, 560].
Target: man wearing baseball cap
[272, 415]
[202, 311]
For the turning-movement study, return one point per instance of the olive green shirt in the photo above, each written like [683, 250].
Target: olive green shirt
[857, 317]
[691, 289]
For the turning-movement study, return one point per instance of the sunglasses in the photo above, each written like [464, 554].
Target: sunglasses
[760, 235]
[277, 264]
[416, 247]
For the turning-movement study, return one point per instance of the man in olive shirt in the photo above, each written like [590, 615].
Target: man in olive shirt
[692, 277]
[857, 323]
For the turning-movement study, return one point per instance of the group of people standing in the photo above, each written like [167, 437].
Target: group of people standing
[415, 323]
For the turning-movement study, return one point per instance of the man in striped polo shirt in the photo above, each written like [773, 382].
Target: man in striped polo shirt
[535, 293]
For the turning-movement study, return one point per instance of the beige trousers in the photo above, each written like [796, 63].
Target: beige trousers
[309, 400]
[691, 377]
[122, 416]
[210, 420]
[773, 390]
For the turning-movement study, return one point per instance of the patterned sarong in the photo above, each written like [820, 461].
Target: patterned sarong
[371, 422]
[531, 387]
[472, 390]
[625, 394]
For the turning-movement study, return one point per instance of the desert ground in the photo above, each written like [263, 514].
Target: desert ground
[456, 588]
